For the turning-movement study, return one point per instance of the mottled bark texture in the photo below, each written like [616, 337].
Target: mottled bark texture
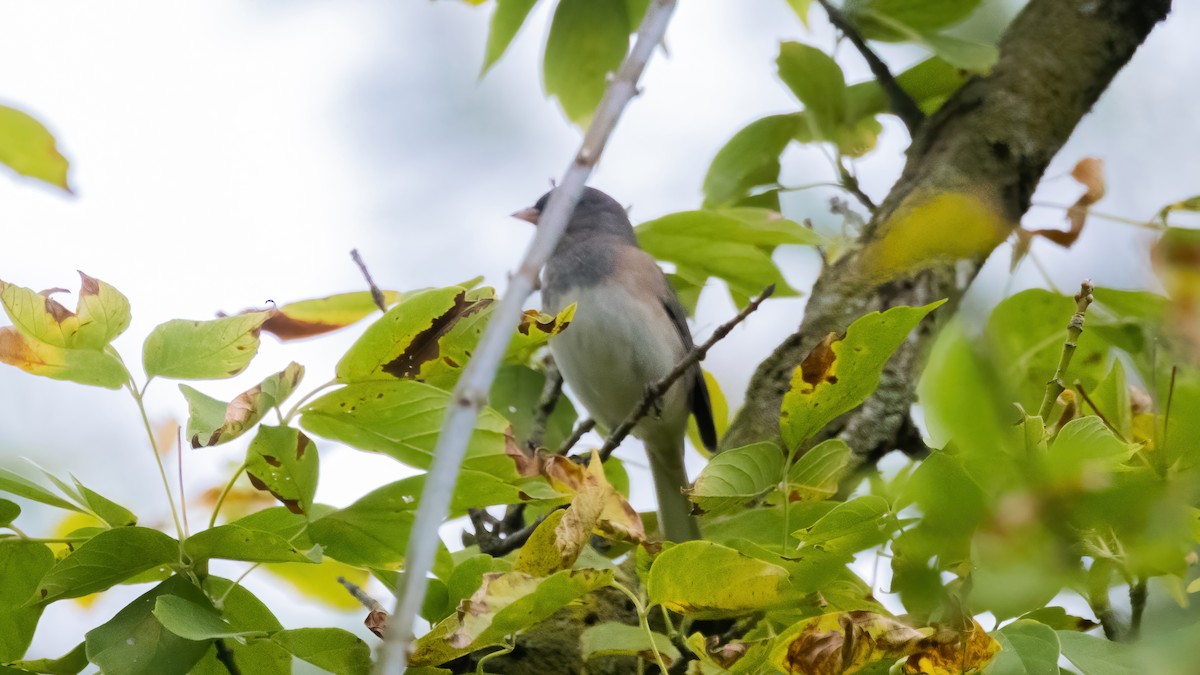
[990, 143]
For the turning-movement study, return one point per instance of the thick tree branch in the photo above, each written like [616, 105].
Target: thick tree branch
[470, 394]
[990, 144]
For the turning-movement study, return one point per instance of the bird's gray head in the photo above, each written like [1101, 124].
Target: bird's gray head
[596, 214]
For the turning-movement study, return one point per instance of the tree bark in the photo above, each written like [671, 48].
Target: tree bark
[987, 147]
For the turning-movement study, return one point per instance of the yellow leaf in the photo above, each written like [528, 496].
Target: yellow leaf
[28, 148]
[320, 582]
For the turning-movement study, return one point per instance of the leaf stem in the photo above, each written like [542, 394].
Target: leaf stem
[508, 647]
[162, 471]
[1137, 602]
[224, 493]
[644, 621]
[305, 399]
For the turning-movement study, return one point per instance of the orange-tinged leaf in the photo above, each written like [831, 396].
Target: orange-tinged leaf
[307, 318]
[85, 366]
[954, 653]
[28, 148]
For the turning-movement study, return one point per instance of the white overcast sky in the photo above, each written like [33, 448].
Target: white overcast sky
[225, 154]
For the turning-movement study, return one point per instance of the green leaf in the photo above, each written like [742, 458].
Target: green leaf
[1026, 648]
[1085, 453]
[213, 422]
[203, 350]
[1026, 333]
[1097, 656]
[801, 7]
[21, 566]
[674, 584]
[22, 487]
[134, 643]
[510, 602]
[402, 419]
[507, 19]
[247, 614]
[415, 338]
[732, 244]
[876, 18]
[373, 531]
[763, 525]
[850, 527]
[973, 57]
[515, 395]
[282, 461]
[332, 649]
[749, 160]
[587, 41]
[235, 542]
[101, 314]
[28, 148]
[736, 478]
[110, 557]
[191, 621]
[105, 509]
[816, 474]
[1111, 398]
[8, 512]
[840, 373]
[1189, 204]
[619, 639]
[817, 80]
[70, 663]
[929, 83]
[952, 503]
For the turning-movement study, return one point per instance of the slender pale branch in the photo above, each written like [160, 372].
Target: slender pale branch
[580, 429]
[654, 391]
[1074, 329]
[471, 392]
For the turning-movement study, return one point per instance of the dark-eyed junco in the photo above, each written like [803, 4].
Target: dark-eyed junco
[629, 331]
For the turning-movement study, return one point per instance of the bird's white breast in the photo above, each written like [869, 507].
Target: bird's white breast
[617, 344]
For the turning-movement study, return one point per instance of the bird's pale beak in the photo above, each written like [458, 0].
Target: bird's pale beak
[529, 215]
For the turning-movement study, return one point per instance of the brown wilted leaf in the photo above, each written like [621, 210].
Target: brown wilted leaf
[617, 518]
[950, 652]
[847, 642]
[1089, 171]
[817, 367]
[377, 622]
[424, 346]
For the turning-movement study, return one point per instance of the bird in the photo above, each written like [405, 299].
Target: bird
[629, 331]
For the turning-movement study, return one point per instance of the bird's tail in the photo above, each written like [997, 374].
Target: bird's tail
[670, 478]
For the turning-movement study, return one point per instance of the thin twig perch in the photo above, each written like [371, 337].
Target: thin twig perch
[654, 391]
[1055, 386]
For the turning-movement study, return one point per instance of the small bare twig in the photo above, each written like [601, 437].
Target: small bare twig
[580, 429]
[360, 595]
[376, 294]
[1096, 409]
[654, 391]
[471, 392]
[900, 102]
[547, 402]
[850, 183]
[1055, 386]
[377, 616]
